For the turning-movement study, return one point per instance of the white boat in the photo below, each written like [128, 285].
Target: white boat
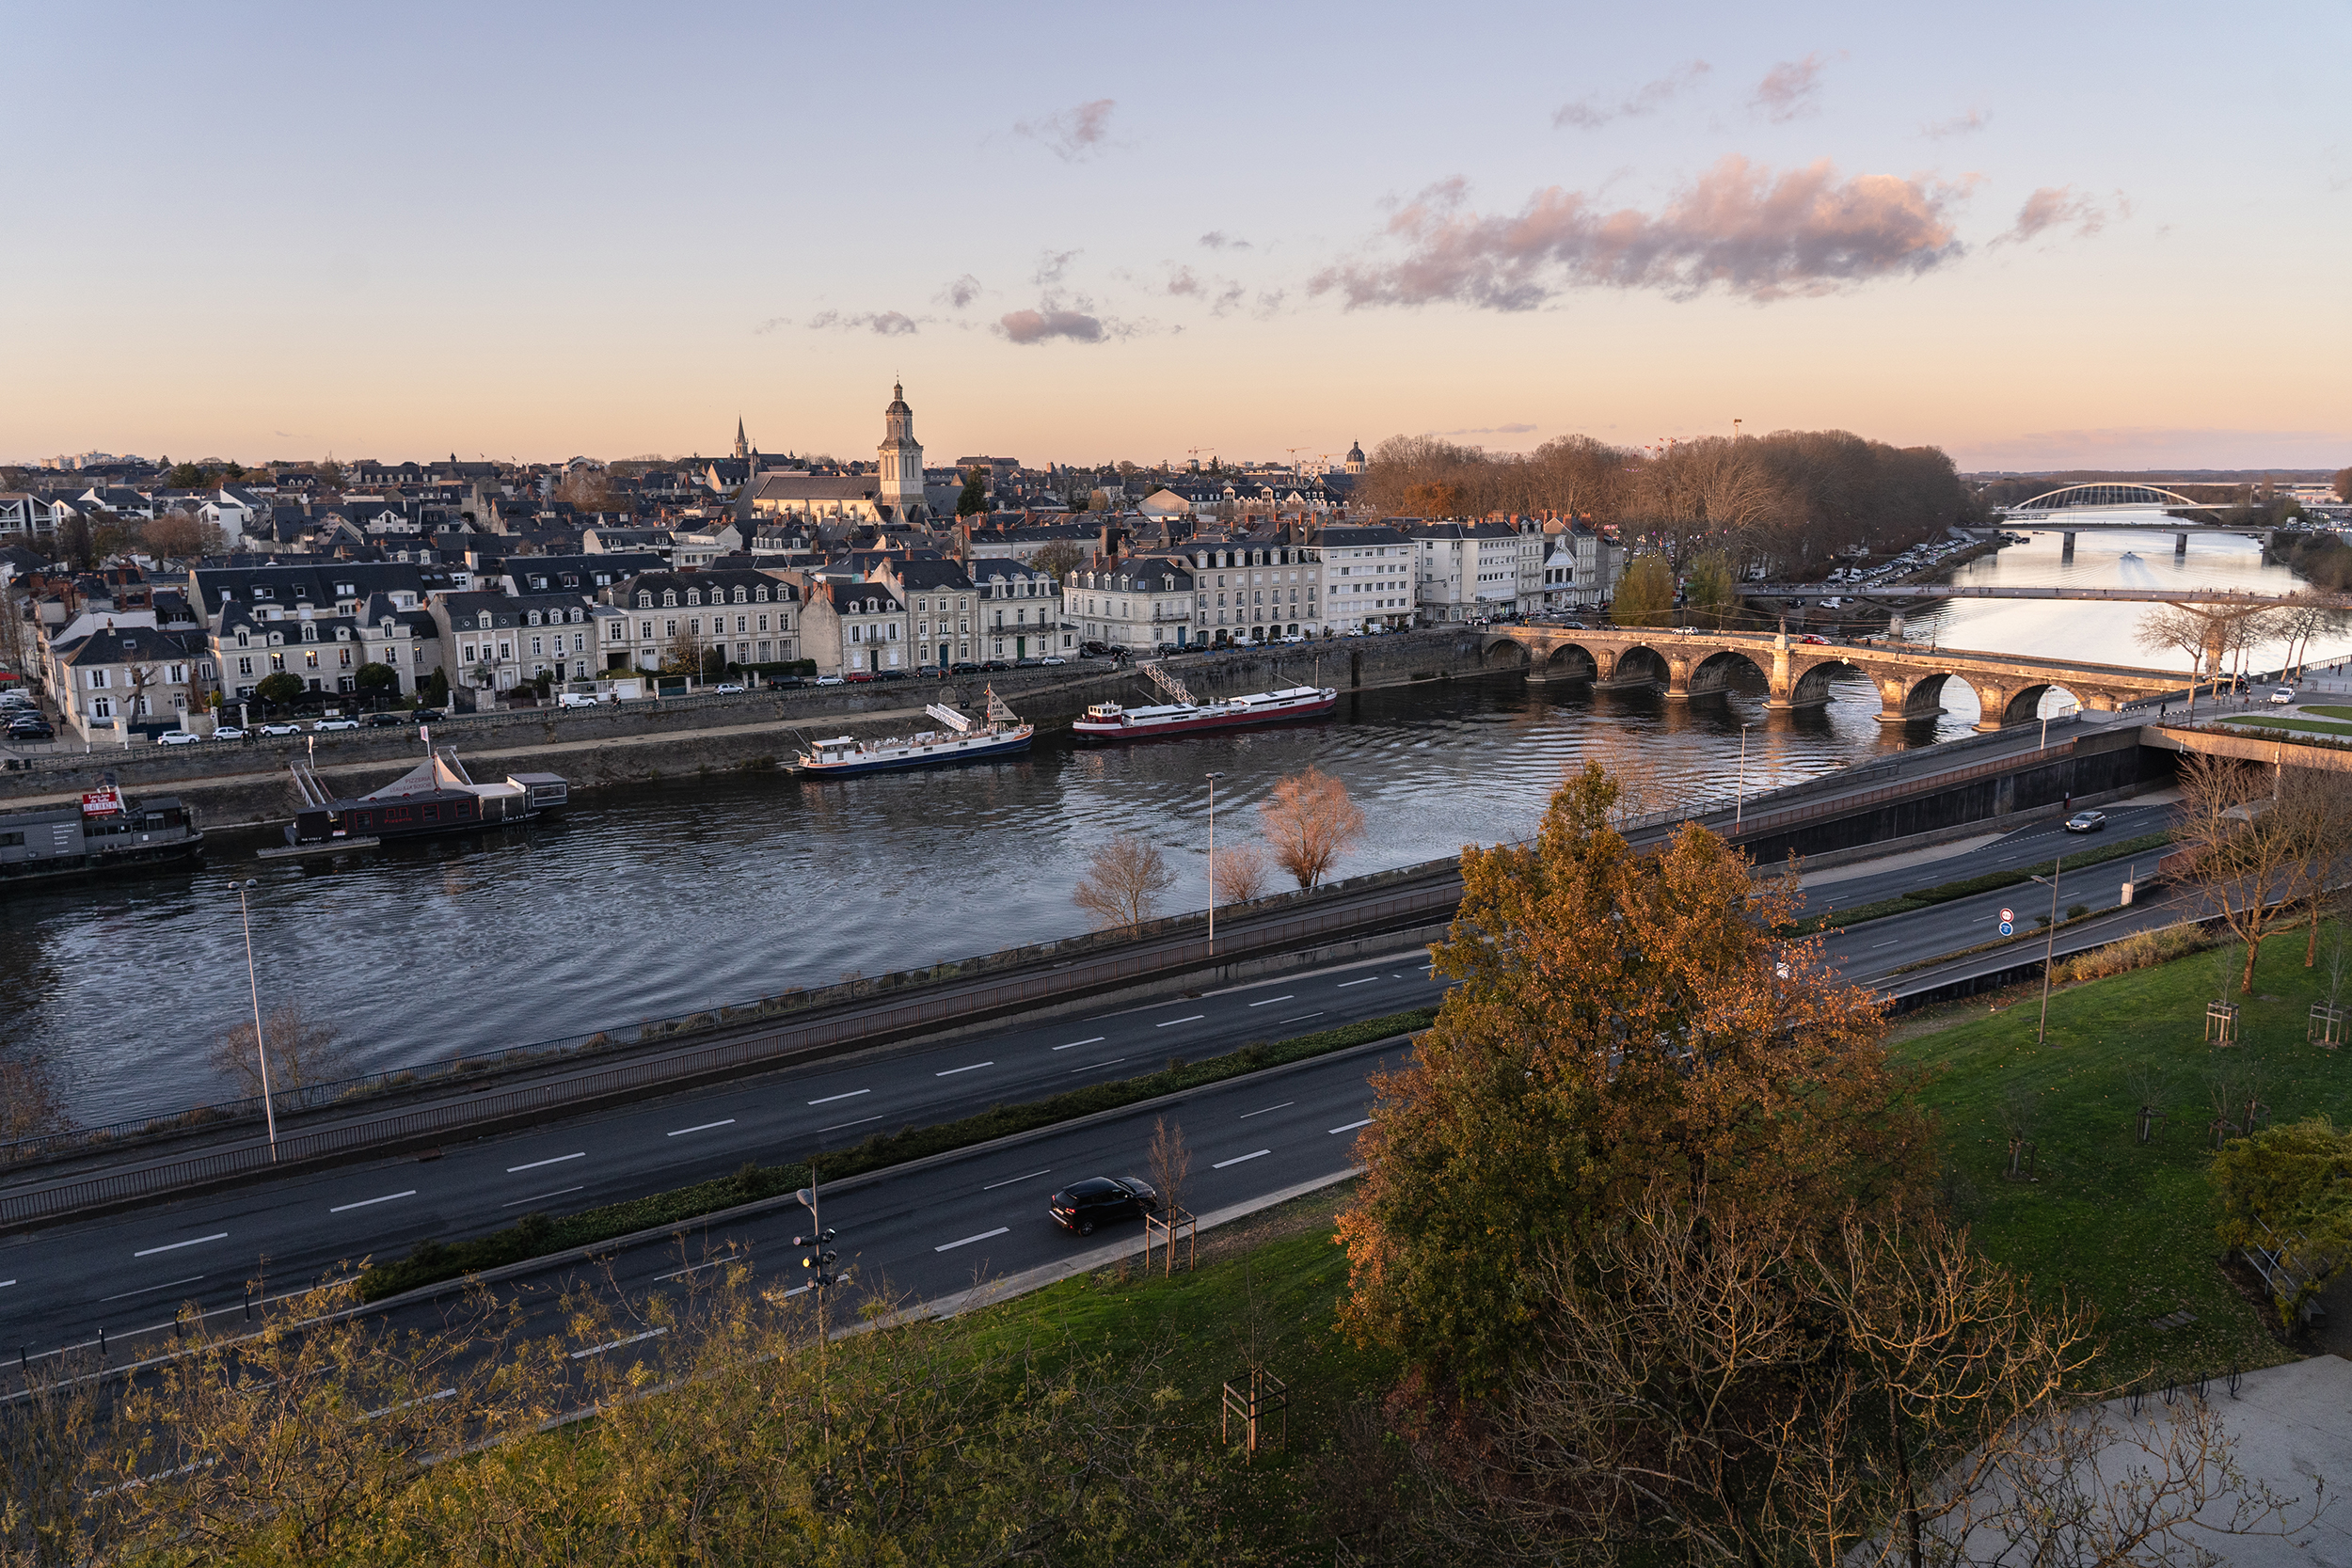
[960, 738]
[1115, 721]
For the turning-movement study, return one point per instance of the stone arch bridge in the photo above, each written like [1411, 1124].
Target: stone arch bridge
[1690, 662]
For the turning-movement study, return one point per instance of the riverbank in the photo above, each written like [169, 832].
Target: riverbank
[249, 786]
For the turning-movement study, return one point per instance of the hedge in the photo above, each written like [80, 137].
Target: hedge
[536, 1235]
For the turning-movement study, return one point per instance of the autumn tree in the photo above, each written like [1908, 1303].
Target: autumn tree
[1123, 881]
[1616, 1019]
[588, 490]
[2343, 484]
[1645, 594]
[302, 1050]
[1059, 559]
[1711, 588]
[1310, 823]
[28, 1103]
[183, 534]
[1433, 500]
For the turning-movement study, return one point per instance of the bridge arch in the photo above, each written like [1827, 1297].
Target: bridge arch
[1568, 661]
[1921, 697]
[2024, 704]
[2109, 496]
[1639, 664]
[1504, 653]
[1811, 687]
[1716, 672]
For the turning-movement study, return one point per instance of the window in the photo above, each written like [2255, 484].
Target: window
[244, 667]
[100, 679]
[645, 601]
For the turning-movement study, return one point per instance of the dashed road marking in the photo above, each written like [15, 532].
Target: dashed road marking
[1353, 1125]
[853, 1094]
[1246, 1115]
[1173, 1022]
[950, 1246]
[1074, 1045]
[149, 1291]
[616, 1344]
[1239, 1158]
[542, 1196]
[1272, 1000]
[703, 1128]
[1010, 1179]
[369, 1202]
[174, 1246]
[953, 1070]
[534, 1164]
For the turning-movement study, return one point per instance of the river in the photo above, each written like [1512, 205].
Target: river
[659, 900]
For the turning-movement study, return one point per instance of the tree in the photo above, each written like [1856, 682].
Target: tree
[2246, 856]
[280, 690]
[1645, 594]
[2300, 619]
[974, 501]
[1058, 559]
[78, 541]
[588, 490]
[1619, 1018]
[302, 1050]
[189, 476]
[1124, 880]
[2289, 1188]
[1711, 589]
[1240, 873]
[2197, 633]
[373, 678]
[436, 690]
[1433, 499]
[1170, 1163]
[2343, 484]
[184, 535]
[1310, 823]
[684, 654]
[28, 1103]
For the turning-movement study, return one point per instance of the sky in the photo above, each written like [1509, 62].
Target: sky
[2036, 235]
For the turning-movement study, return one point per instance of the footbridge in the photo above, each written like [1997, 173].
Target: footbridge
[2088, 501]
[1690, 662]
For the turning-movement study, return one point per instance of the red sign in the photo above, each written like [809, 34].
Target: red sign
[104, 802]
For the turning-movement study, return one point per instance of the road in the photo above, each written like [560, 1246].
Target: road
[125, 1272]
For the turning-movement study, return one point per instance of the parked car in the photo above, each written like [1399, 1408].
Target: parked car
[890, 674]
[228, 732]
[996, 664]
[1815, 637]
[2285, 694]
[2085, 822]
[727, 688]
[859, 677]
[324, 725]
[178, 737]
[1100, 1200]
[388, 721]
[964, 667]
[829, 680]
[427, 715]
[1053, 658]
[288, 727]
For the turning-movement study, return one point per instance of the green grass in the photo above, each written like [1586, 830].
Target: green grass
[2124, 1226]
[1944, 893]
[2283, 721]
[2331, 711]
[537, 1235]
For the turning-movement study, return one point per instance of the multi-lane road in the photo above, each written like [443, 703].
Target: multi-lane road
[925, 1231]
[127, 1272]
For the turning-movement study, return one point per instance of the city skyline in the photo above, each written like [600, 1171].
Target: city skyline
[546, 232]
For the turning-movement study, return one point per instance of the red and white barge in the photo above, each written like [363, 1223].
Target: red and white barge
[1117, 722]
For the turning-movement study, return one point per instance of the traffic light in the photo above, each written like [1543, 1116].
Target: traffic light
[817, 1257]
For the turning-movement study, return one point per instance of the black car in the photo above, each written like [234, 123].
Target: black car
[1101, 1200]
[995, 664]
[2085, 822]
[1028, 663]
[388, 721]
[964, 667]
[890, 674]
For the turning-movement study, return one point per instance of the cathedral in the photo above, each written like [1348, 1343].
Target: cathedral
[901, 455]
[893, 492]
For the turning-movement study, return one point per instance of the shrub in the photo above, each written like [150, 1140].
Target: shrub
[2141, 950]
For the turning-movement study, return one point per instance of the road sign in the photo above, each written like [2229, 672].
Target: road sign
[2008, 930]
[2007, 917]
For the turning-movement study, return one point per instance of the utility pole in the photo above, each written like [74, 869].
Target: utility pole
[817, 1257]
[261, 1045]
[1213, 777]
[2049, 950]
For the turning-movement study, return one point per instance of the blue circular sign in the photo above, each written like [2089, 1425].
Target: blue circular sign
[2008, 930]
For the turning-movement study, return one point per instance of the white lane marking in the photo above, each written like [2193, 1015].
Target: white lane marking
[1113, 1062]
[558, 1192]
[1876, 945]
[1075, 1044]
[1365, 981]
[149, 1290]
[1302, 1018]
[6, 1283]
[969, 1239]
[831, 1098]
[1246, 1115]
[1239, 1158]
[406, 1405]
[534, 1164]
[1272, 1000]
[616, 1344]
[366, 1202]
[1010, 1179]
[680, 1274]
[953, 1070]
[839, 1124]
[703, 1128]
[1353, 1125]
[174, 1246]
[787, 1296]
[1173, 1022]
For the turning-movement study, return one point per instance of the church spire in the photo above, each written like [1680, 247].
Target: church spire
[742, 446]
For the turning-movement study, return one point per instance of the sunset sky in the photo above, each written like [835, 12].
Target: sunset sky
[2036, 235]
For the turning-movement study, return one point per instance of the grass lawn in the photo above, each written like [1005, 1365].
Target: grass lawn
[2128, 1228]
[2327, 710]
[2286, 721]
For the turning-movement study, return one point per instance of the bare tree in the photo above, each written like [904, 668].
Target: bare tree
[184, 535]
[28, 1103]
[1309, 822]
[302, 1050]
[2304, 617]
[1124, 880]
[2316, 805]
[2187, 629]
[1241, 874]
[1170, 1160]
[2245, 858]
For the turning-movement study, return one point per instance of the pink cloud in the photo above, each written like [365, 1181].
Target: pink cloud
[1586, 114]
[2054, 207]
[1790, 89]
[1738, 227]
[1073, 133]
[1038, 326]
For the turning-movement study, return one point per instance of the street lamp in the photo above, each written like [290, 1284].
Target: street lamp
[2049, 949]
[1740, 796]
[260, 1051]
[1213, 777]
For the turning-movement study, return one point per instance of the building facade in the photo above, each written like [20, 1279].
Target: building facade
[658, 620]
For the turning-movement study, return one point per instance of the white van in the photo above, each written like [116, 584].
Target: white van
[575, 699]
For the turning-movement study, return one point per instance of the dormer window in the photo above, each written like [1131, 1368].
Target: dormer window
[244, 640]
[276, 639]
[693, 595]
[645, 601]
[343, 634]
[483, 619]
[535, 617]
[669, 598]
[741, 598]
[761, 594]
[578, 615]
[310, 631]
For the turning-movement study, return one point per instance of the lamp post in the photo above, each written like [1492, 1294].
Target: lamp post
[1740, 795]
[2049, 949]
[253, 986]
[1213, 777]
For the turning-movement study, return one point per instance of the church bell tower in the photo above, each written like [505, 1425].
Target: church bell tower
[901, 457]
